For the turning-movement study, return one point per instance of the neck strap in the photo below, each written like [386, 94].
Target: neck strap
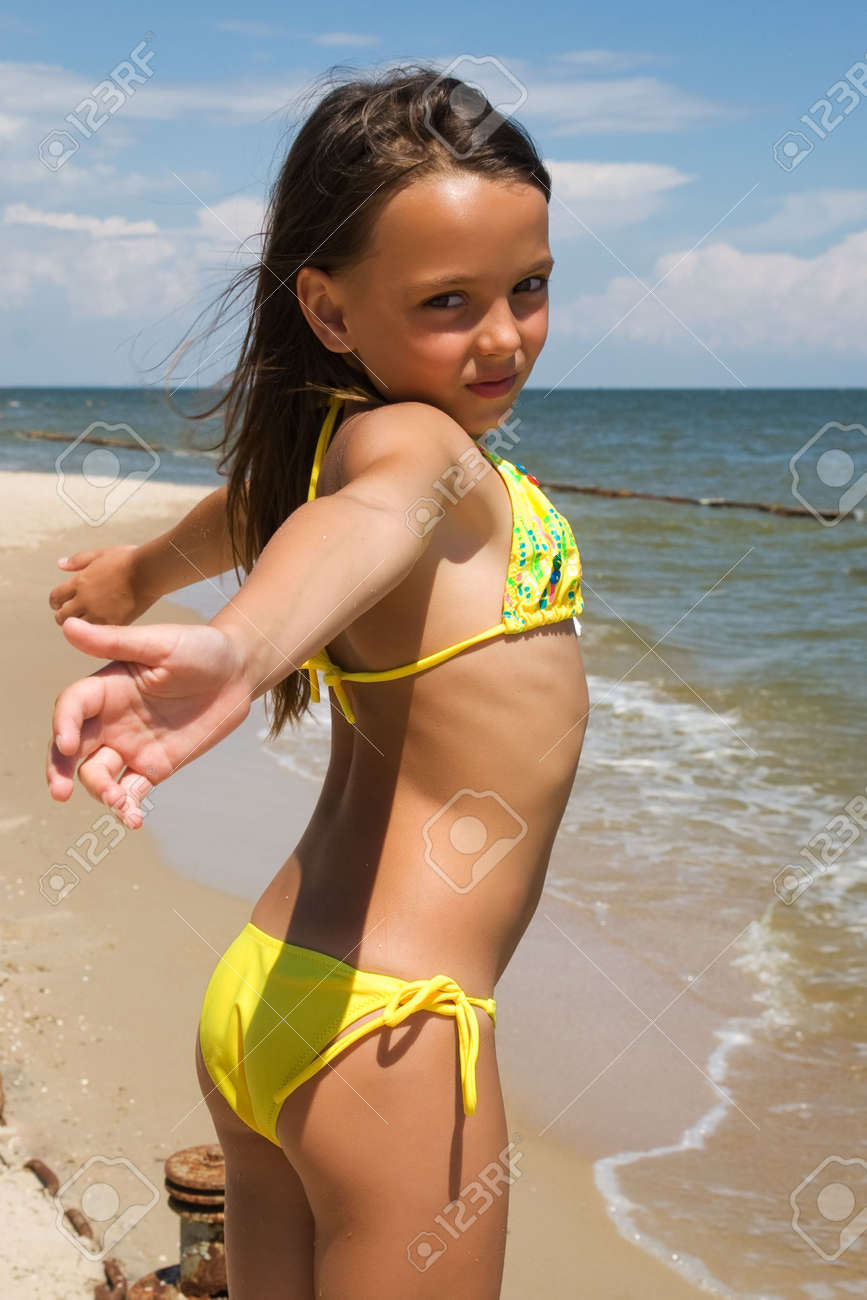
[327, 429]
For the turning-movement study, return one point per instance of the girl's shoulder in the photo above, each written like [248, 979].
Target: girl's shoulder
[420, 441]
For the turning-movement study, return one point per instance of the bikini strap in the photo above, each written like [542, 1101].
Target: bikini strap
[325, 432]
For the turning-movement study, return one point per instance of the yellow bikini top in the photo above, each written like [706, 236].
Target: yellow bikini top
[543, 581]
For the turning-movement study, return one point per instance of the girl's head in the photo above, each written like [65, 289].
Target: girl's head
[405, 257]
[451, 291]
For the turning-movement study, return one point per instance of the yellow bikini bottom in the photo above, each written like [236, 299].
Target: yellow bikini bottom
[272, 1009]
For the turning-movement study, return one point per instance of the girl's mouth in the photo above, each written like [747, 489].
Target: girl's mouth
[495, 389]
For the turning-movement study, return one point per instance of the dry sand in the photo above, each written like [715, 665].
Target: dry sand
[101, 991]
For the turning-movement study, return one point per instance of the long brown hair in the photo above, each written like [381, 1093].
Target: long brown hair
[364, 141]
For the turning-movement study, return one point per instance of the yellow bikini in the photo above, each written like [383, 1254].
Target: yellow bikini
[272, 1011]
[543, 579]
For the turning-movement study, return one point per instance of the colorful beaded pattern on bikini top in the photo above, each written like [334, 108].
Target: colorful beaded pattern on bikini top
[544, 576]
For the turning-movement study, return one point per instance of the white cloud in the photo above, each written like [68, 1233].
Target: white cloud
[634, 104]
[607, 195]
[11, 126]
[20, 214]
[252, 28]
[234, 224]
[110, 267]
[733, 299]
[141, 278]
[95, 181]
[242, 27]
[19, 276]
[47, 87]
[129, 278]
[607, 60]
[569, 106]
[345, 38]
[808, 215]
[54, 91]
[585, 105]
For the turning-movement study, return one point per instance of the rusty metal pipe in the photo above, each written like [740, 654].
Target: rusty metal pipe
[195, 1181]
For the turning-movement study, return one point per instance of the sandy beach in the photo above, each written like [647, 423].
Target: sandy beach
[101, 988]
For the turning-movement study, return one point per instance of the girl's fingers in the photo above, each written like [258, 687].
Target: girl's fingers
[74, 706]
[60, 768]
[77, 561]
[100, 771]
[60, 783]
[150, 645]
[136, 789]
[100, 774]
[126, 796]
[82, 700]
[69, 610]
[60, 594]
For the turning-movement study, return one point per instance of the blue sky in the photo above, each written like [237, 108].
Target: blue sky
[686, 254]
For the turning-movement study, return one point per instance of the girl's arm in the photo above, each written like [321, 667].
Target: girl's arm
[116, 584]
[337, 556]
[173, 691]
[198, 546]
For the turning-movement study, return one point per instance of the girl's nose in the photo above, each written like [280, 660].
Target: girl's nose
[499, 335]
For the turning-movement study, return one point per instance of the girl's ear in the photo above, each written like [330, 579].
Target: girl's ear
[319, 300]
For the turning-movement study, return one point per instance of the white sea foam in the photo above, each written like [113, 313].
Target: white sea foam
[305, 750]
[738, 1034]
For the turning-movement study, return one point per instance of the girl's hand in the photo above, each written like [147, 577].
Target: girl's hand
[171, 693]
[105, 587]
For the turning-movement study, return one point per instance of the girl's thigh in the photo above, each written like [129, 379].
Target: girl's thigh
[269, 1227]
[409, 1195]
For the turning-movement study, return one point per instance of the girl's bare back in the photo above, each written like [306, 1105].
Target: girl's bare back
[428, 847]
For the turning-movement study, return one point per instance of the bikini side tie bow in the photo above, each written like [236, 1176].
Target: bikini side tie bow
[441, 994]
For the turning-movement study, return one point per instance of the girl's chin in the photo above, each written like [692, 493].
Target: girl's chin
[481, 423]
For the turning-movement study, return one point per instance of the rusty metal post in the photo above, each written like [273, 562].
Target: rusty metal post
[195, 1181]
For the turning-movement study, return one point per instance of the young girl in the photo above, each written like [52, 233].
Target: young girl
[346, 1045]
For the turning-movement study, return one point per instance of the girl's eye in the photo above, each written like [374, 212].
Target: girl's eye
[432, 302]
[541, 283]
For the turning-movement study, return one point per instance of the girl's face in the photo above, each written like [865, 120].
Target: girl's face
[453, 292]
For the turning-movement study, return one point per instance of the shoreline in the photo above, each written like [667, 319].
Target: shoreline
[102, 988]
